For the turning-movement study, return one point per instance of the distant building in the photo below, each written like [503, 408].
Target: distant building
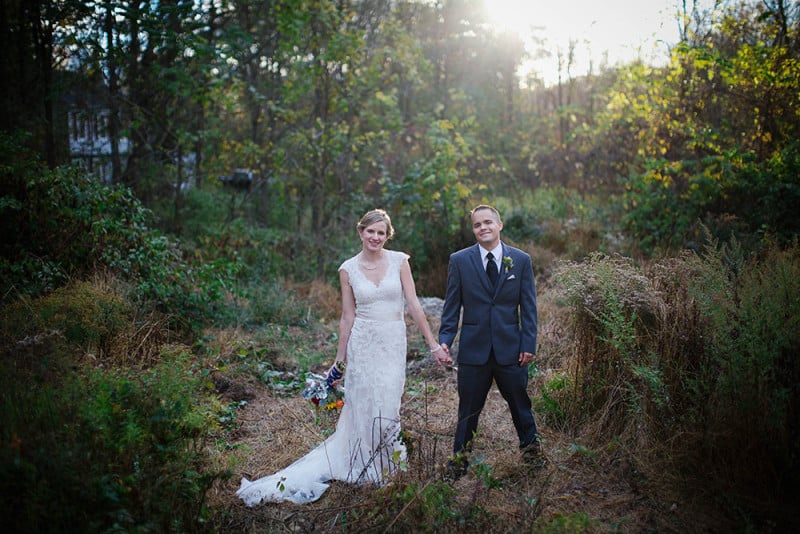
[87, 122]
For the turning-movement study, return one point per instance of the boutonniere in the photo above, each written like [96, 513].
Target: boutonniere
[508, 263]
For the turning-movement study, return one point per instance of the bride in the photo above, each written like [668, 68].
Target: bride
[376, 284]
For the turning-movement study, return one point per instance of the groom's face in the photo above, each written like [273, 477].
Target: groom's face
[486, 226]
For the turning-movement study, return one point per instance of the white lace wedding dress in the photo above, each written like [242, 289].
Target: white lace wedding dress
[365, 446]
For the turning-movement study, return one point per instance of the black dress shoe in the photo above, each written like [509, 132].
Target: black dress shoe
[533, 456]
[455, 469]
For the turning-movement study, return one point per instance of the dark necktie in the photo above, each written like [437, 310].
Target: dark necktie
[491, 269]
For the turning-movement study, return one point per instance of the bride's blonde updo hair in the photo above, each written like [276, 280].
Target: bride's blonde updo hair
[374, 216]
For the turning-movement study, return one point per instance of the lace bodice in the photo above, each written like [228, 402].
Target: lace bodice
[381, 302]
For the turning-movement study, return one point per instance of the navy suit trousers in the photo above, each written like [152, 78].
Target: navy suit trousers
[474, 382]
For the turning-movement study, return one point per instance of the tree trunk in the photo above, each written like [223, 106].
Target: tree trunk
[113, 94]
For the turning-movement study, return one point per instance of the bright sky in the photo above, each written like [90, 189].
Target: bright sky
[625, 29]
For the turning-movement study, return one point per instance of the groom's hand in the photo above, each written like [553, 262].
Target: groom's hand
[443, 356]
[525, 358]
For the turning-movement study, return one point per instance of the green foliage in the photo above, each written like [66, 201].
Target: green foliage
[716, 139]
[521, 225]
[752, 343]
[63, 224]
[561, 220]
[554, 399]
[270, 302]
[483, 472]
[433, 195]
[733, 192]
[110, 450]
[430, 506]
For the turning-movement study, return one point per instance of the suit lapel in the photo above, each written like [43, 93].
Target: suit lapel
[501, 276]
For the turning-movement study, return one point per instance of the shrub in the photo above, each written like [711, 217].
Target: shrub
[561, 220]
[84, 315]
[113, 450]
[691, 363]
[733, 190]
[613, 307]
[748, 397]
[61, 225]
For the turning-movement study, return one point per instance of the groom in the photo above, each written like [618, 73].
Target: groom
[493, 283]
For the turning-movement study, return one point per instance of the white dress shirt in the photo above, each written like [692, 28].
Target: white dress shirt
[497, 252]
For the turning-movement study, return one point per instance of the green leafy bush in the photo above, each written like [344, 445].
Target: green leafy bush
[62, 224]
[733, 193]
[748, 396]
[113, 450]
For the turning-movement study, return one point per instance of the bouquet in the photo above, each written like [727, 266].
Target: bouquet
[321, 391]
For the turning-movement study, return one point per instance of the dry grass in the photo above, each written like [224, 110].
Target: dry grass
[273, 432]
[581, 490]
[323, 298]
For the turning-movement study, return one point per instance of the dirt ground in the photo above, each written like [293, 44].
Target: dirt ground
[578, 491]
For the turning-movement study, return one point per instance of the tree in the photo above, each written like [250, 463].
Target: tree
[716, 128]
[34, 39]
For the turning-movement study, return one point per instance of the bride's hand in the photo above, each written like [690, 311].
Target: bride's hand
[331, 369]
[442, 356]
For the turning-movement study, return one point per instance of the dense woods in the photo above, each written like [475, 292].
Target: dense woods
[242, 139]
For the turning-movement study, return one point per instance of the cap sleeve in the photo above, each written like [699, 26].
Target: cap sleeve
[398, 257]
[347, 266]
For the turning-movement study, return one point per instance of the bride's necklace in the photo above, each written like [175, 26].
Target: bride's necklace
[375, 265]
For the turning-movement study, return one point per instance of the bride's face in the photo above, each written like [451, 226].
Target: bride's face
[374, 236]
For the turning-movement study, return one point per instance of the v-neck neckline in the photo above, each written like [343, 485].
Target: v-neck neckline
[364, 272]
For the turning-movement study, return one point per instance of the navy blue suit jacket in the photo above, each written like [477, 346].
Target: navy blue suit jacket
[503, 319]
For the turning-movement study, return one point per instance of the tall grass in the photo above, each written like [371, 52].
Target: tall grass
[690, 363]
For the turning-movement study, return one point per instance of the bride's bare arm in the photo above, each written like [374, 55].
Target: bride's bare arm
[348, 315]
[418, 314]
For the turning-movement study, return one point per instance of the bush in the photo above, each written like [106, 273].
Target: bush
[692, 364]
[113, 450]
[735, 191]
[564, 221]
[748, 397]
[64, 225]
[616, 376]
[82, 313]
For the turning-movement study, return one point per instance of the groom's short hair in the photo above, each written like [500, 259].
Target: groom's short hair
[485, 207]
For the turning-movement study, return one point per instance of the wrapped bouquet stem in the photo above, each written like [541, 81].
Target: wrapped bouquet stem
[322, 392]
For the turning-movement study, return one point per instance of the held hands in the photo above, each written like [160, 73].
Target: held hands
[442, 354]
[525, 358]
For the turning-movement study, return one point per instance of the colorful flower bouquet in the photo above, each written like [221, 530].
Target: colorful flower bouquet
[321, 391]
